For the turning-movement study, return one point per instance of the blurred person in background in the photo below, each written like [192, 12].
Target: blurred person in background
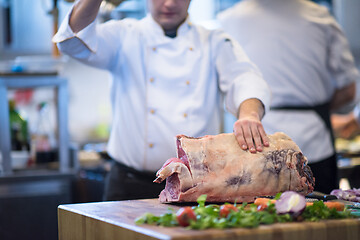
[306, 60]
[169, 76]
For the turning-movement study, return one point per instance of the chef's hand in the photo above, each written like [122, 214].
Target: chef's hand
[345, 126]
[248, 129]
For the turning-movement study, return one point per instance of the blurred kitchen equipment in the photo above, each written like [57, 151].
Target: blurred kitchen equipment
[114, 2]
[7, 12]
[110, 9]
[55, 13]
[18, 129]
[43, 140]
[36, 64]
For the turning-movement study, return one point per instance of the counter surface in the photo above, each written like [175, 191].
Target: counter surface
[115, 220]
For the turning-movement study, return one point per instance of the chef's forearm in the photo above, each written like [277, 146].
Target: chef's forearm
[343, 96]
[84, 13]
[253, 107]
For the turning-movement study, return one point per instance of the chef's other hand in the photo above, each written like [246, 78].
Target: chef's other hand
[248, 129]
[345, 126]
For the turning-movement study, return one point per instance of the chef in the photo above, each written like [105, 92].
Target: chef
[168, 78]
[305, 58]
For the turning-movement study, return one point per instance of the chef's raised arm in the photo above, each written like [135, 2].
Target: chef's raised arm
[80, 37]
[84, 13]
[247, 95]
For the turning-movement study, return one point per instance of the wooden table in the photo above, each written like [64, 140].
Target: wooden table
[115, 220]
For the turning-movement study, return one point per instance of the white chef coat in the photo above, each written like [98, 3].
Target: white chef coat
[163, 86]
[303, 55]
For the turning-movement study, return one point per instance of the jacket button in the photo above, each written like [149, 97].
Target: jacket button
[152, 111]
[154, 49]
[191, 49]
[151, 145]
[185, 115]
[152, 80]
[187, 82]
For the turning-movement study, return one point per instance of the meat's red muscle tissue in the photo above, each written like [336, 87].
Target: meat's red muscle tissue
[218, 167]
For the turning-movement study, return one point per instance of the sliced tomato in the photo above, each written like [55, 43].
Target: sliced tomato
[226, 209]
[185, 215]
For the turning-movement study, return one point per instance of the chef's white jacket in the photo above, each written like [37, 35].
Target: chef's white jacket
[303, 55]
[163, 86]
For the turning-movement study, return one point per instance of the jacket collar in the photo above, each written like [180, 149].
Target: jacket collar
[155, 33]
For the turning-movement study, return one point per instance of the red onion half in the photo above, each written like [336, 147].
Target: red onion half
[290, 202]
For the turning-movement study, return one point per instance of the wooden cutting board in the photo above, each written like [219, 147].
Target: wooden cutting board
[115, 220]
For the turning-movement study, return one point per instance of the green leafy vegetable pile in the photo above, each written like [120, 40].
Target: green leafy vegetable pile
[238, 215]
[319, 211]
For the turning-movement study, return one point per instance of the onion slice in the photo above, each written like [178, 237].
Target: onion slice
[290, 202]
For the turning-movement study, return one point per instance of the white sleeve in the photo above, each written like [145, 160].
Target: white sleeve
[341, 63]
[95, 45]
[80, 42]
[239, 78]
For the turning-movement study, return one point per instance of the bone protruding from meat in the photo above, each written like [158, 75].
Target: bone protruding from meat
[218, 167]
[176, 167]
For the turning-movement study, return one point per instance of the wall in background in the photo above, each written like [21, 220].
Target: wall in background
[89, 102]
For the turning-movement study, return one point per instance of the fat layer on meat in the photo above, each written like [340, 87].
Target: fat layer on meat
[218, 167]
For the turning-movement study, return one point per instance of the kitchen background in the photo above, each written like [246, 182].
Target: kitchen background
[26, 29]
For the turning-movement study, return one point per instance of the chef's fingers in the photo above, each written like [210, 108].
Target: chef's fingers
[264, 137]
[256, 136]
[240, 137]
[249, 137]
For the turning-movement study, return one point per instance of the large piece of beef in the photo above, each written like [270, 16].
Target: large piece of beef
[218, 167]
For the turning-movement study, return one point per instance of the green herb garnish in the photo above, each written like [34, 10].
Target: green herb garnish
[246, 216]
[319, 211]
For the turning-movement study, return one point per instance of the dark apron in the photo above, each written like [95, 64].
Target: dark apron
[322, 110]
